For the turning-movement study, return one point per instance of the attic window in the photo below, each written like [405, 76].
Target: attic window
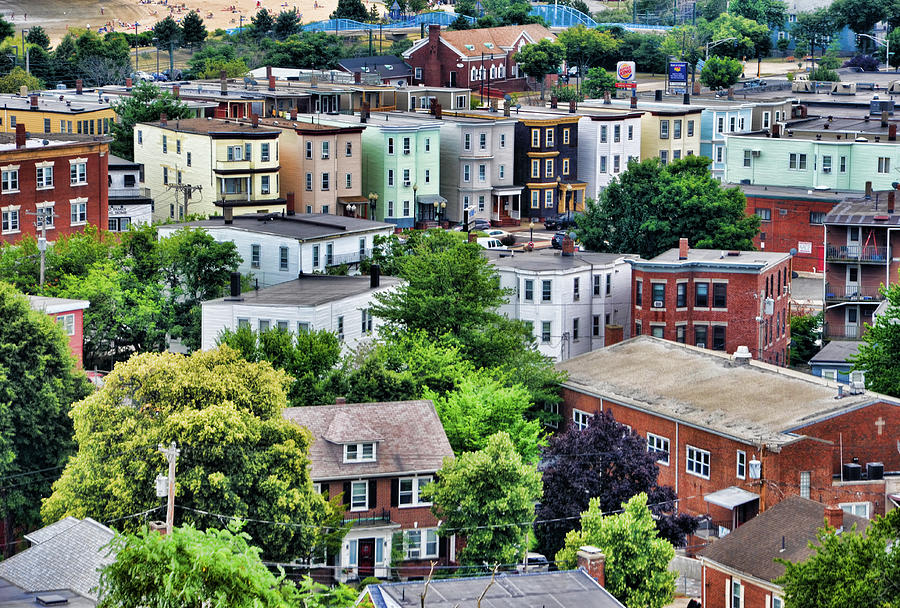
[359, 452]
[470, 47]
[389, 67]
[489, 45]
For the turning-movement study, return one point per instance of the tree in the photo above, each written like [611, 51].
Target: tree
[307, 50]
[815, 28]
[38, 36]
[38, 384]
[598, 82]
[539, 59]
[286, 24]
[262, 23]
[608, 461]
[17, 78]
[466, 7]
[848, 569]
[782, 45]
[773, 13]
[460, 23]
[194, 32]
[721, 72]
[167, 32]
[651, 205]
[860, 16]
[214, 57]
[880, 347]
[351, 9]
[637, 560]
[587, 47]
[7, 29]
[751, 39]
[487, 496]
[806, 331]
[239, 457]
[146, 103]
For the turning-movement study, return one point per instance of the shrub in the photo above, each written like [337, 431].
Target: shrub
[369, 580]
[866, 62]
[567, 94]
[824, 74]
[508, 241]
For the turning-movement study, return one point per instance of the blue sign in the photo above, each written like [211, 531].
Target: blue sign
[678, 71]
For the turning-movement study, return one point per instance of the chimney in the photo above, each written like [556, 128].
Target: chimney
[159, 527]
[891, 196]
[834, 516]
[434, 33]
[554, 101]
[23, 91]
[614, 335]
[607, 98]
[20, 135]
[163, 118]
[228, 212]
[742, 356]
[357, 77]
[235, 287]
[223, 82]
[687, 99]
[176, 91]
[293, 113]
[34, 102]
[340, 401]
[657, 95]
[438, 111]
[776, 130]
[568, 246]
[271, 83]
[506, 105]
[128, 84]
[683, 248]
[868, 190]
[268, 72]
[254, 120]
[289, 203]
[696, 87]
[892, 132]
[572, 107]
[592, 560]
[884, 118]
[633, 102]
[374, 276]
[364, 111]
[79, 85]
[803, 110]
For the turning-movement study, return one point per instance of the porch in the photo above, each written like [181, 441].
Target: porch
[506, 206]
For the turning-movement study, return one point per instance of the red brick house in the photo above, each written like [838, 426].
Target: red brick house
[715, 299]
[69, 314]
[736, 436]
[473, 58]
[61, 176]
[378, 457]
[739, 570]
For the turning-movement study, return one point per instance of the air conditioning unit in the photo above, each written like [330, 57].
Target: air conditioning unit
[324, 157]
[407, 184]
[755, 153]
[701, 344]
[826, 169]
[858, 380]
[658, 304]
[406, 151]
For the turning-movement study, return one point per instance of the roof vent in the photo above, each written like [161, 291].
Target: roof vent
[742, 356]
[734, 253]
[51, 600]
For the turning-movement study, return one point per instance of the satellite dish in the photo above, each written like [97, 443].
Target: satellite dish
[507, 97]
[572, 235]
[793, 251]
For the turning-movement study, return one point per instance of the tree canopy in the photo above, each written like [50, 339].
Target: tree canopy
[167, 33]
[145, 104]
[193, 30]
[815, 28]
[772, 13]
[648, 207]
[879, 351]
[351, 9]
[721, 72]
[806, 330]
[539, 59]
[16, 79]
[588, 48]
[598, 82]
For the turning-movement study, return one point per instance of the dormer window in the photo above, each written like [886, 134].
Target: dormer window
[359, 452]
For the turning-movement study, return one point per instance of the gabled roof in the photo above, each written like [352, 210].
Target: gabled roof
[499, 40]
[409, 436]
[753, 547]
[836, 351]
[66, 555]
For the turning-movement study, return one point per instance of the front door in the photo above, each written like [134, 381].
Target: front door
[452, 79]
[366, 559]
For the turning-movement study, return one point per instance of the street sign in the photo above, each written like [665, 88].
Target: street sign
[626, 71]
[678, 71]
[626, 85]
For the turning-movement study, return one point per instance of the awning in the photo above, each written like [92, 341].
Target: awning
[349, 200]
[507, 191]
[895, 498]
[731, 498]
[430, 199]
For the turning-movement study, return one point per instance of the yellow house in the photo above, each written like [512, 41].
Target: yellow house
[49, 113]
[670, 134]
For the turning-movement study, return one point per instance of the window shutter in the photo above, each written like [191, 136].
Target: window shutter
[325, 491]
[373, 493]
[443, 547]
[346, 493]
[395, 492]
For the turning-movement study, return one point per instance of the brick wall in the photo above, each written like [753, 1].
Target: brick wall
[407, 517]
[717, 591]
[790, 228]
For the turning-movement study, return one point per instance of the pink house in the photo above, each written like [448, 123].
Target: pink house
[70, 316]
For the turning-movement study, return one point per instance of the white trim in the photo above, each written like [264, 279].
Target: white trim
[41, 165]
[73, 161]
[10, 167]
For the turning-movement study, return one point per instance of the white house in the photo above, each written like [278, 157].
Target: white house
[338, 304]
[606, 142]
[570, 301]
[129, 201]
[276, 248]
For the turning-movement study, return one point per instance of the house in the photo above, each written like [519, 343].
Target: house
[546, 162]
[66, 555]
[862, 236]
[276, 248]
[473, 58]
[378, 457]
[51, 112]
[339, 304]
[733, 435]
[607, 142]
[834, 361]
[226, 164]
[715, 299]
[562, 588]
[51, 184]
[129, 202]
[388, 69]
[69, 314]
[574, 304]
[739, 570]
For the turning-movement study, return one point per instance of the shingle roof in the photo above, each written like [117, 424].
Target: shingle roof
[836, 351]
[753, 547]
[409, 435]
[472, 42]
[69, 559]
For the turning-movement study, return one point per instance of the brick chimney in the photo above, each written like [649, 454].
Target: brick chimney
[293, 113]
[128, 84]
[614, 335]
[176, 91]
[594, 562]
[158, 527]
[884, 118]
[163, 119]
[34, 102]
[20, 135]
[776, 130]
[340, 401]
[79, 86]
[289, 204]
[554, 101]
[683, 248]
[223, 82]
[438, 111]
[254, 120]
[433, 72]
[572, 107]
[568, 246]
[357, 77]
[892, 132]
[834, 516]
[868, 190]
[633, 101]
[271, 83]
[268, 72]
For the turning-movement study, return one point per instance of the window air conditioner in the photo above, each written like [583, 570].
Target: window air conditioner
[407, 184]
[826, 169]
[658, 304]
[755, 152]
[701, 344]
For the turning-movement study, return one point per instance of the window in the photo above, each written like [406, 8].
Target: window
[657, 331]
[595, 326]
[608, 284]
[390, 177]
[529, 290]
[690, 129]
[701, 333]
[581, 419]
[664, 129]
[676, 154]
[308, 182]
[826, 164]
[545, 332]
[676, 131]
[467, 141]
[680, 332]
[741, 464]
[737, 594]
[45, 176]
[140, 135]
[720, 295]
[884, 164]
[390, 208]
[548, 139]
[843, 165]
[658, 291]
[326, 179]
[359, 452]
[766, 117]
[482, 172]
[409, 491]
[804, 483]
[359, 496]
[67, 322]
[263, 325]
[535, 199]
[660, 446]
[406, 180]
[481, 202]
[816, 217]
[390, 146]
[165, 143]
[602, 164]
[503, 140]
[548, 167]
[596, 284]
[264, 187]
[482, 141]
[255, 255]
[637, 329]
[603, 133]
[616, 163]
[282, 258]
[10, 180]
[10, 220]
[78, 173]
[406, 145]
[748, 157]
[664, 157]
[535, 138]
[546, 291]
[502, 172]
[797, 161]
[575, 329]
[639, 293]
[720, 124]
[860, 509]
[548, 197]
[566, 136]
[405, 208]
[630, 132]
[348, 180]
[565, 166]
[697, 462]
[681, 295]
[418, 74]
[78, 212]
[777, 602]
[415, 548]
[535, 168]
[340, 328]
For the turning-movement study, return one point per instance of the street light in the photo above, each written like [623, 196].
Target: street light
[25, 51]
[373, 201]
[709, 45]
[531, 232]
[439, 208]
[885, 43]
[352, 210]
[156, 42]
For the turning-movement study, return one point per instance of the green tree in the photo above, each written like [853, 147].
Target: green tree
[598, 82]
[894, 38]
[38, 36]
[194, 32]
[824, 74]
[262, 23]
[815, 28]
[650, 206]
[487, 496]
[752, 39]
[286, 24]
[146, 103]
[167, 32]
[587, 48]
[770, 12]
[38, 384]
[539, 59]
[214, 57]
[239, 457]
[860, 16]
[465, 7]
[17, 78]
[782, 45]
[307, 50]
[637, 560]
[806, 330]
[880, 348]
[351, 9]
[7, 29]
[720, 72]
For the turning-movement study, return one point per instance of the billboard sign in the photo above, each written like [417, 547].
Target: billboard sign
[625, 71]
[678, 71]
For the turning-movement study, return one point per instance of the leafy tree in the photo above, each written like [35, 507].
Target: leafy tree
[848, 569]
[782, 45]
[38, 384]
[588, 47]
[460, 23]
[598, 82]
[307, 50]
[824, 74]
[721, 72]
[806, 330]
[7, 29]
[214, 57]
[239, 457]
[608, 461]
[194, 32]
[146, 103]
[860, 17]
[167, 32]
[286, 24]
[486, 496]
[539, 59]
[867, 63]
[752, 39]
[650, 206]
[262, 23]
[711, 9]
[516, 12]
[637, 560]
[815, 28]
[465, 7]
[17, 78]
[770, 12]
[398, 47]
[38, 36]
[351, 9]
[880, 348]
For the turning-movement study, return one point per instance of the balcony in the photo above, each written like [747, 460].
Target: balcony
[834, 331]
[347, 258]
[128, 193]
[368, 518]
[852, 292]
[857, 253]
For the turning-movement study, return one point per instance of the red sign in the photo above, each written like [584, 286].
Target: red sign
[626, 85]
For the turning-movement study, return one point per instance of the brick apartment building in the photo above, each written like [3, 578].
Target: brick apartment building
[378, 456]
[736, 436]
[62, 178]
[715, 299]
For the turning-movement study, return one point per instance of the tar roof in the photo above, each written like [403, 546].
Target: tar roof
[551, 260]
[409, 436]
[302, 226]
[836, 351]
[12, 596]
[50, 140]
[204, 126]
[52, 103]
[705, 389]
[753, 547]
[716, 257]
[379, 119]
[562, 589]
[819, 124]
[789, 192]
[308, 290]
[858, 210]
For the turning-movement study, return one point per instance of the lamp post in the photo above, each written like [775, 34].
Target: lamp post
[709, 45]
[885, 43]
[531, 231]
[567, 195]
[373, 201]
[25, 51]
[439, 207]
[156, 42]
[351, 210]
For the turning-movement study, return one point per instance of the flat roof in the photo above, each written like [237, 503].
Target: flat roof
[56, 305]
[302, 226]
[675, 102]
[301, 125]
[50, 102]
[211, 126]
[308, 290]
[858, 210]
[549, 259]
[379, 119]
[844, 124]
[715, 257]
[789, 192]
[707, 390]
[35, 140]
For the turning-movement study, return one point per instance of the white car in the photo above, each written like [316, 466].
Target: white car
[490, 243]
[495, 233]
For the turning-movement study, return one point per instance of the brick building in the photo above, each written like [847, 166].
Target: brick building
[715, 299]
[69, 314]
[378, 457]
[60, 179]
[736, 436]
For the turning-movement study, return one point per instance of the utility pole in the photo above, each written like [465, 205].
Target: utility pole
[171, 453]
[185, 190]
[42, 214]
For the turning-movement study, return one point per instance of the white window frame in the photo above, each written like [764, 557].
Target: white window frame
[659, 445]
[10, 174]
[580, 419]
[43, 176]
[424, 537]
[67, 322]
[695, 466]
[354, 506]
[741, 464]
[850, 508]
[79, 167]
[79, 204]
[356, 452]
[414, 494]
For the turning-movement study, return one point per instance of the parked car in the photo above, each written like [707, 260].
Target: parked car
[563, 222]
[490, 243]
[556, 241]
[754, 83]
[496, 233]
[479, 224]
[534, 562]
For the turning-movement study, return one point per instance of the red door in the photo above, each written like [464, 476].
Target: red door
[366, 558]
